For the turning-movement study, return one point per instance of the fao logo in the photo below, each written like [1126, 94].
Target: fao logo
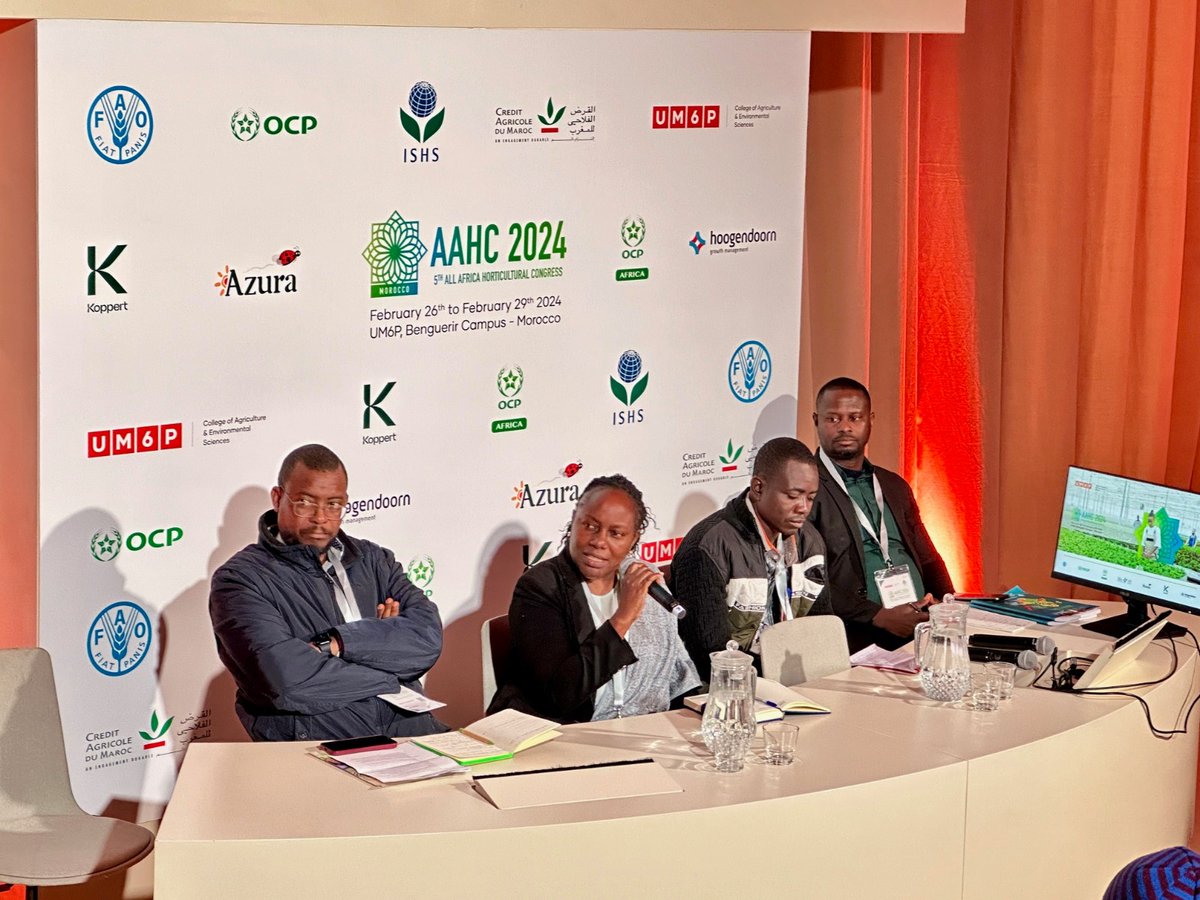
[749, 371]
[120, 124]
[118, 638]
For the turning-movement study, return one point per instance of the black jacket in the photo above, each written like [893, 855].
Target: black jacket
[268, 602]
[845, 563]
[558, 658]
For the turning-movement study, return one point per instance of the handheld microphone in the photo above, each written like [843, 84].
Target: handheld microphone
[1041, 644]
[657, 590]
[1022, 659]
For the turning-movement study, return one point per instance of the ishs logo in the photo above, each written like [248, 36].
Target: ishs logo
[118, 638]
[749, 371]
[120, 124]
[422, 101]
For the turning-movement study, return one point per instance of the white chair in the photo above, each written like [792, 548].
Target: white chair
[495, 638]
[804, 649]
[45, 838]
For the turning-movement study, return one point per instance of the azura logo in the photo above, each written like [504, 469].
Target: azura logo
[245, 124]
[509, 382]
[749, 371]
[394, 253]
[420, 573]
[120, 124]
[259, 279]
[105, 545]
[627, 386]
[422, 102]
[548, 493]
[118, 638]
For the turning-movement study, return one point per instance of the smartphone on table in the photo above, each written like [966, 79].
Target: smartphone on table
[358, 744]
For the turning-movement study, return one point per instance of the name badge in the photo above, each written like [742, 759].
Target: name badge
[895, 586]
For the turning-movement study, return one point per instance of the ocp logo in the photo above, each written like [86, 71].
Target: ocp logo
[420, 573]
[245, 124]
[120, 124]
[107, 544]
[509, 382]
[373, 406]
[749, 371]
[118, 638]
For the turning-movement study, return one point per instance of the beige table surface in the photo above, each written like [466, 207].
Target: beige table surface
[893, 795]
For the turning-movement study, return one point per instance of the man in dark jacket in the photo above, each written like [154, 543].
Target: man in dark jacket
[314, 624]
[754, 562]
[883, 571]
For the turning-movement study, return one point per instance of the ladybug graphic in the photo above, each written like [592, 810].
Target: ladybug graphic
[287, 257]
[571, 469]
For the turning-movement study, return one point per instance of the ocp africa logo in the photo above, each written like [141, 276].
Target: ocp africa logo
[633, 232]
[120, 124]
[509, 381]
[422, 102]
[394, 253]
[420, 573]
[118, 638]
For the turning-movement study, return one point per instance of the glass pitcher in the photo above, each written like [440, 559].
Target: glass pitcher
[729, 721]
[940, 646]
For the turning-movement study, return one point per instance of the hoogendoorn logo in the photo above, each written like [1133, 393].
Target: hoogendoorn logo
[120, 124]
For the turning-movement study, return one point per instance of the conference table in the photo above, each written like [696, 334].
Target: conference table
[892, 795]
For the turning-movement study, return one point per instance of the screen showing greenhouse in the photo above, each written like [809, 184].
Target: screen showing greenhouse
[1130, 537]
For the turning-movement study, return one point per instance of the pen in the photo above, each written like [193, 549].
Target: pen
[599, 765]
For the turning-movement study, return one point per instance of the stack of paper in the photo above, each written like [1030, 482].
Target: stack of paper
[396, 765]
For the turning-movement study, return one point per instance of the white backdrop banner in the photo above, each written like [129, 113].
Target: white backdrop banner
[481, 266]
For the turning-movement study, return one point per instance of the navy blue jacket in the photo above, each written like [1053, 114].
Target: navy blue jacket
[269, 601]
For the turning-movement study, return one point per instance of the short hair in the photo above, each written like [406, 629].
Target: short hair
[642, 513]
[778, 452]
[844, 384]
[317, 457]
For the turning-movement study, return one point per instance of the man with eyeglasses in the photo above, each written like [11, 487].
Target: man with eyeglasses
[314, 625]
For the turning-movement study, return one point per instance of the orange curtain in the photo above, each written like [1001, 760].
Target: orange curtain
[1002, 229]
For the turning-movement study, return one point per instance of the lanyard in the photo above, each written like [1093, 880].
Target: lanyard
[596, 605]
[882, 538]
[342, 590]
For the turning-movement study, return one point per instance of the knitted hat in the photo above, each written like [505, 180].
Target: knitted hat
[1172, 874]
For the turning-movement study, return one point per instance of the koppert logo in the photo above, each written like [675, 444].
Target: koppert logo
[372, 404]
[394, 253]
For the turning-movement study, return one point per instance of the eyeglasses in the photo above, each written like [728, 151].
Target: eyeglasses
[307, 509]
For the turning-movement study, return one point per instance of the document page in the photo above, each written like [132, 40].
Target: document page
[512, 729]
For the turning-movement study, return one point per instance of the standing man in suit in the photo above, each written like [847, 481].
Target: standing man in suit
[881, 566]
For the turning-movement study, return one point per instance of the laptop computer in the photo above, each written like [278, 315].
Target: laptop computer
[1107, 668]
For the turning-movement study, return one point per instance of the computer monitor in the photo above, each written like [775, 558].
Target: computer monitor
[1132, 538]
